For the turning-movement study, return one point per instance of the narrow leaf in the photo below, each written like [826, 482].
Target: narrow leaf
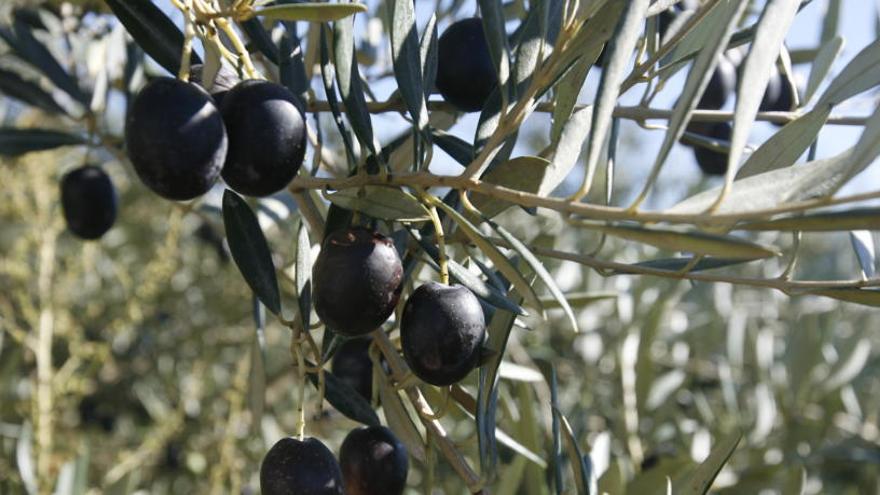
[784, 147]
[13, 86]
[676, 264]
[349, 80]
[33, 52]
[250, 250]
[400, 421]
[539, 269]
[345, 399]
[865, 297]
[854, 219]
[694, 241]
[491, 251]
[405, 51]
[303, 275]
[523, 173]
[822, 64]
[312, 11]
[15, 141]
[580, 465]
[860, 74]
[459, 149]
[701, 479]
[863, 244]
[387, 203]
[153, 31]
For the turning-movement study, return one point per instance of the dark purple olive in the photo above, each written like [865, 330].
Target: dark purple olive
[713, 162]
[441, 332]
[294, 467]
[175, 138]
[356, 280]
[88, 200]
[721, 85]
[373, 462]
[465, 72]
[225, 80]
[267, 137]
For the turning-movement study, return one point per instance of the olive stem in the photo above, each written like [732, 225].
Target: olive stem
[399, 370]
[189, 33]
[296, 350]
[438, 233]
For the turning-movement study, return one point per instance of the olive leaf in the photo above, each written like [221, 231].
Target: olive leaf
[153, 31]
[345, 399]
[387, 203]
[14, 141]
[250, 250]
[701, 479]
[312, 11]
[13, 86]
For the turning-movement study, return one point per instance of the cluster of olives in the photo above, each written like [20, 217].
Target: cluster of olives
[372, 461]
[180, 138]
[357, 282]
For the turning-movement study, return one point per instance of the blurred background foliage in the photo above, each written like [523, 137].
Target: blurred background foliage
[150, 334]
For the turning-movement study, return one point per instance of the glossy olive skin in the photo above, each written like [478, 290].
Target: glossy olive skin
[356, 280]
[779, 95]
[353, 366]
[441, 332]
[225, 80]
[175, 138]
[721, 85]
[465, 72]
[267, 137]
[89, 202]
[712, 162]
[373, 462]
[294, 467]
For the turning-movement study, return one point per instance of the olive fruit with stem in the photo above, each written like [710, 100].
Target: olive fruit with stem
[442, 331]
[301, 467]
[357, 279]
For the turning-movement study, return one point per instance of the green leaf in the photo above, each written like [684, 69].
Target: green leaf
[405, 51]
[580, 464]
[491, 251]
[566, 94]
[303, 274]
[700, 480]
[676, 264]
[349, 80]
[619, 51]
[250, 250]
[694, 241]
[523, 173]
[428, 54]
[33, 52]
[865, 297]
[784, 147]
[487, 394]
[328, 73]
[860, 74]
[153, 31]
[387, 203]
[312, 11]
[539, 269]
[854, 219]
[822, 64]
[345, 399]
[257, 374]
[14, 142]
[771, 29]
[496, 38]
[261, 39]
[13, 86]
[459, 149]
[724, 23]
[400, 421]
[578, 299]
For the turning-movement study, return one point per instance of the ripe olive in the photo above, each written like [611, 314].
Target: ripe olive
[779, 95]
[353, 366]
[357, 279]
[267, 137]
[294, 467]
[465, 72]
[721, 85]
[713, 162]
[373, 462]
[89, 202]
[175, 138]
[442, 331]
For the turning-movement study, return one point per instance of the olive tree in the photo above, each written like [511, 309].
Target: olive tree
[502, 321]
